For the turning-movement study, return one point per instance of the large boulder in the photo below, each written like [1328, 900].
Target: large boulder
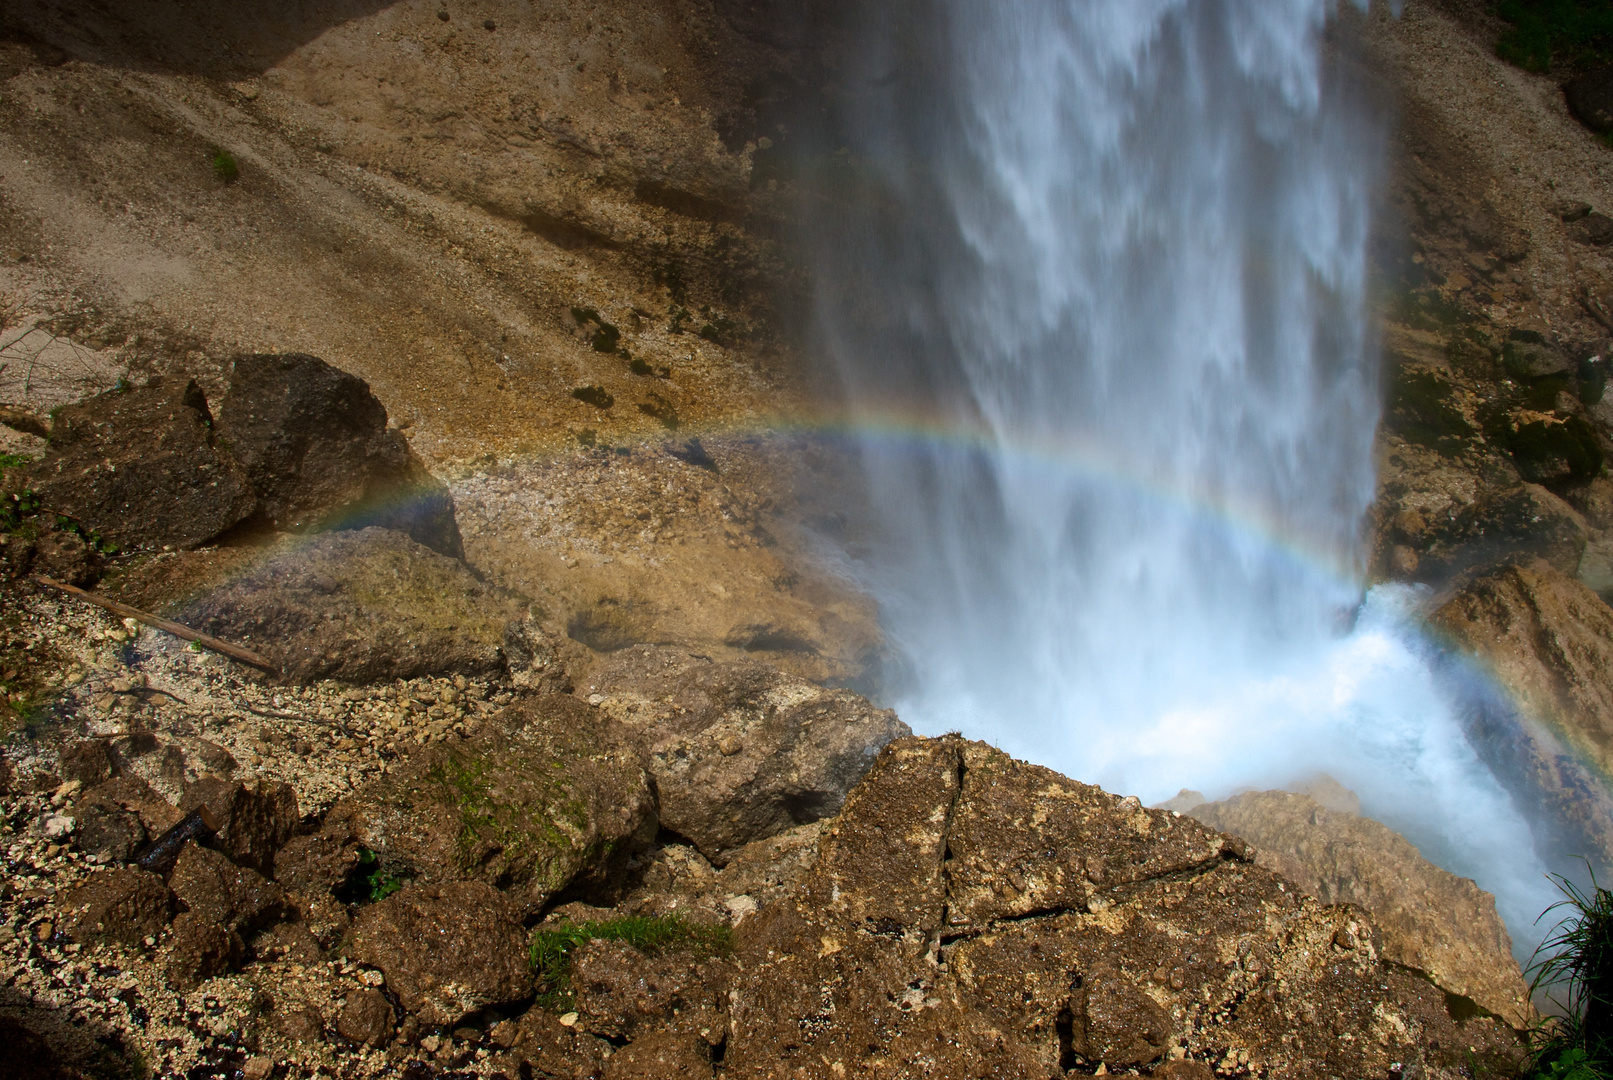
[1590, 98]
[972, 915]
[553, 795]
[360, 606]
[1539, 703]
[1432, 920]
[143, 466]
[313, 443]
[447, 950]
[740, 751]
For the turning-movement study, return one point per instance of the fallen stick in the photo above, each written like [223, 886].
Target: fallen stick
[234, 652]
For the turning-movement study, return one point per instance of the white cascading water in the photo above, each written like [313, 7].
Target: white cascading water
[1098, 297]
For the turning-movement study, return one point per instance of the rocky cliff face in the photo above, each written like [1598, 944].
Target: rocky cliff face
[596, 740]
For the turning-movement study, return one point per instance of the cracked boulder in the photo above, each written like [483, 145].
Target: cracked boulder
[551, 794]
[741, 751]
[1430, 919]
[446, 950]
[143, 466]
[255, 818]
[973, 915]
[313, 442]
[360, 606]
[124, 905]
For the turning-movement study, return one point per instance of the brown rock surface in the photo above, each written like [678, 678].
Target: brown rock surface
[217, 890]
[551, 794]
[447, 950]
[1431, 920]
[199, 948]
[317, 863]
[741, 751]
[359, 606]
[313, 443]
[124, 905]
[131, 462]
[366, 1018]
[1547, 641]
[665, 1055]
[254, 819]
[1100, 930]
[621, 993]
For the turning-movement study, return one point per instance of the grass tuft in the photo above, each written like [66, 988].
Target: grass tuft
[1576, 959]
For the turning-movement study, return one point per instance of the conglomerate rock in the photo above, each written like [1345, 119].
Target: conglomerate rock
[359, 606]
[1430, 919]
[740, 751]
[446, 949]
[972, 915]
[551, 794]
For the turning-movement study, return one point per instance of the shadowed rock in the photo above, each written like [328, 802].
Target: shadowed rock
[143, 465]
[313, 443]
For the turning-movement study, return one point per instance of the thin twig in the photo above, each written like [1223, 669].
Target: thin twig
[234, 652]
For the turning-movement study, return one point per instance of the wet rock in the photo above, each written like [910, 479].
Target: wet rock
[254, 819]
[1540, 708]
[621, 993]
[551, 795]
[199, 949]
[317, 863]
[1518, 523]
[124, 905]
[1431, 920]
[142, 465]
[216, 889]
[359, 606]
[87, 761]
[366, 1019]
[665, 1055]
[65, 556]
[447, 950]
[741, 751]
[927, 939]
[314, 445]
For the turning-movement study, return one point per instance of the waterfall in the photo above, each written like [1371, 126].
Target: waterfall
[1094, 275]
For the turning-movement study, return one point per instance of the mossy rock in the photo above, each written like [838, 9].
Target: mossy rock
[551, 796]
[1421, 410]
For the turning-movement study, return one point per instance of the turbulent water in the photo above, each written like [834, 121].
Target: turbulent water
[1095, 276]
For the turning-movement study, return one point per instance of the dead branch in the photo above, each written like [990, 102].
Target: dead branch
[234, 652]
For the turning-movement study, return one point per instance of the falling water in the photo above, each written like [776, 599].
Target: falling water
[1094, 272]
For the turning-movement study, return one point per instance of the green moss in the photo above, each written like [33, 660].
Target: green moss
[552, 948]
[528, 841]
[1421, 412]
[1556, 35]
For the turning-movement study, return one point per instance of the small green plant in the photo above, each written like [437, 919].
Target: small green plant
[1576, 958]
[16, 507]
[650, 934]
[225, 166]
[370, 882]
[13, 461]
